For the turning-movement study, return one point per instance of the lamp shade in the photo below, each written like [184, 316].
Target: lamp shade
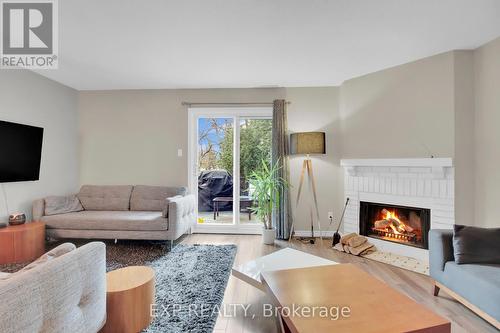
[307, 143]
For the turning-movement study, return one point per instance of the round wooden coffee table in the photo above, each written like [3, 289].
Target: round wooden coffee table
[22, 243]
[130, 293]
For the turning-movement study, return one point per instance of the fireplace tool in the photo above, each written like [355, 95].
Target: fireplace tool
[336, 235]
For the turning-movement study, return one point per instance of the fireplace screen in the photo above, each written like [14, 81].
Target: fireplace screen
[399, 224]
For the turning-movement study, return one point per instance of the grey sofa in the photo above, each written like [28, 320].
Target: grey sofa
[123, 212]
[477, 286]
[57, 294]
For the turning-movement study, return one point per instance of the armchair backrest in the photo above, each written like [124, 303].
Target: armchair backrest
[440, 251]
[66, 294]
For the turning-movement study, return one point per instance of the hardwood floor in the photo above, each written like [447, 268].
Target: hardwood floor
[417, 286]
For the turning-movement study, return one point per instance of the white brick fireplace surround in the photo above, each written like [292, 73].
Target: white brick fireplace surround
[415, 182]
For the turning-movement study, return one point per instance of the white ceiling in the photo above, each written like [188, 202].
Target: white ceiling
[151, 44]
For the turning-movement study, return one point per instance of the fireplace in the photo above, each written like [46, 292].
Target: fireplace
[398, 224]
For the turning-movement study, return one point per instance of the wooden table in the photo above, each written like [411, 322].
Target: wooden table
[130, 293]
[286, 258]
[245, 203]
[22, 243]
[374, 306]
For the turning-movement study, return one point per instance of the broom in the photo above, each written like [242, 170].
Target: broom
[336, 235]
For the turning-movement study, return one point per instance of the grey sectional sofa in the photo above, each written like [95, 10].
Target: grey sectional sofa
[123, 212]
[477, 286]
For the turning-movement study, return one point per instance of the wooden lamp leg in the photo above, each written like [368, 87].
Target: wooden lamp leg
[299, 191]
[312, 185]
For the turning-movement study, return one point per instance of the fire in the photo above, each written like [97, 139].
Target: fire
[392, 216]
[391, 226]
[389, 215]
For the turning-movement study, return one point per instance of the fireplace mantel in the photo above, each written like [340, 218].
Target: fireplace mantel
[438, 165]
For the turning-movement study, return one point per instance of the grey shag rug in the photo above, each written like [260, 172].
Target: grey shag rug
[190, 280]
[190, 284]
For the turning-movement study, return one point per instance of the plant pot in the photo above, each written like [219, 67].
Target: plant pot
[268, 236]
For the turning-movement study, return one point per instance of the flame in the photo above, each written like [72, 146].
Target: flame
[392, 215]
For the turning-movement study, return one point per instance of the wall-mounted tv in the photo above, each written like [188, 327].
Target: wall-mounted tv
[20, 152]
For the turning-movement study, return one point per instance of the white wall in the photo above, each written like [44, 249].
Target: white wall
[31, 99]
[487, 134]
[317, 109]
[464, 138]
[404, 111]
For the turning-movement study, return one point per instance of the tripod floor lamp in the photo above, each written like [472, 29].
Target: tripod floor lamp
[308, 143]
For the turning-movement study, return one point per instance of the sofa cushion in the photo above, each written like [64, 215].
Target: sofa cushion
[152, 198]
[478, 283]
[95, 197]
[107, 220]
[62, 205]
[476, 245]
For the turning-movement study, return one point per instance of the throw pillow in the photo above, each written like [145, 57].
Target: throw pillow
[62, 204]
[473, 245]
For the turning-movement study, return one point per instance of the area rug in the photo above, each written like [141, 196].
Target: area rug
[190, 284]
[190, 280]
[404, 262]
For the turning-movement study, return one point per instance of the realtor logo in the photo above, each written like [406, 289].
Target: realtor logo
[29, 34]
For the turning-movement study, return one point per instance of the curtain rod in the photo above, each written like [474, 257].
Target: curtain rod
[248, 103]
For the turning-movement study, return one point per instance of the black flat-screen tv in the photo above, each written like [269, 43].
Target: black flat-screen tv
[20, 152]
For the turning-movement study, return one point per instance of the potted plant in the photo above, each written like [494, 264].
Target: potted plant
[267, 187]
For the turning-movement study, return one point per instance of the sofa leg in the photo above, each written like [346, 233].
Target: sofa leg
[170, 245]
[436, 289]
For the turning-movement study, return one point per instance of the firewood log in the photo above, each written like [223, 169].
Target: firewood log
[395, 222]
[381, 224]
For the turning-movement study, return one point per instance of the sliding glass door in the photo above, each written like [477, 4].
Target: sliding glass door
[226, 146]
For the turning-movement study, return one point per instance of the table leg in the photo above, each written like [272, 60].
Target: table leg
[215, 210]
[283, 326]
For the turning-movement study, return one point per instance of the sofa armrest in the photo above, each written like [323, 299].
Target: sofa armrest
[181, 215]
[38, 209]
[440, 251]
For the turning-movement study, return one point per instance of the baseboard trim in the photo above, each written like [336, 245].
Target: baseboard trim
[305, 233]
[466, 303]
[227, 229]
